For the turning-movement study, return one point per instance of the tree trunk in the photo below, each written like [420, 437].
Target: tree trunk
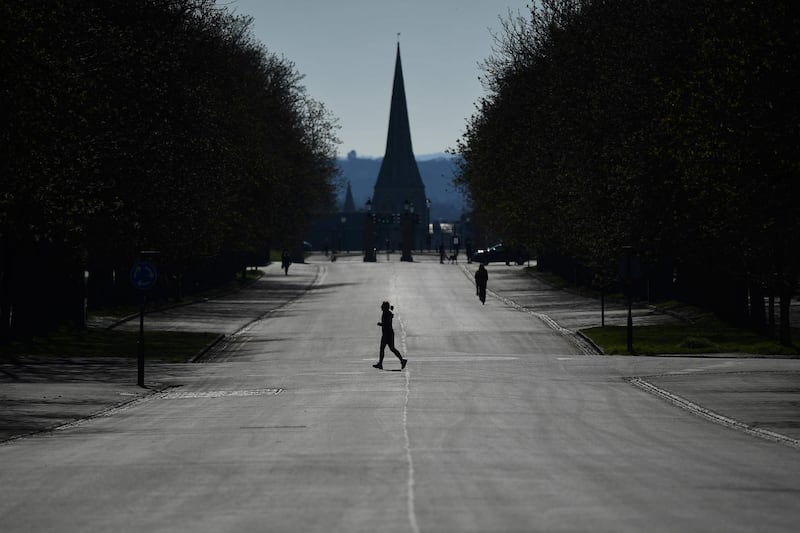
[5, 306]
[5, 291]
[785, 325]
[771, 322]
[758, 317]
[787, 287]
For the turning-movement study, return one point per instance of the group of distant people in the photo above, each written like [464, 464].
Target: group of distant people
[481, 275]
[453, 257]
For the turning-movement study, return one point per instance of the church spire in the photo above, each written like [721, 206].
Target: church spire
[398, 138]
[398, 180]
[399, 190]
[349, 204]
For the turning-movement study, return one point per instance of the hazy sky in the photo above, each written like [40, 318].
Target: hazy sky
[346, 50]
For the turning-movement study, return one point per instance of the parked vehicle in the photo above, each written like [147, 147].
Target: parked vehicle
[499, 253]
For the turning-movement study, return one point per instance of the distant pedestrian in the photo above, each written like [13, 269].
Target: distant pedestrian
[481, 279]
[387, 335]
[441, 253]
[286, 260]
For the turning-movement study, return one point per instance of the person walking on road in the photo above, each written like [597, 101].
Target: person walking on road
[387, 335]
[481, 279]
[286, 260]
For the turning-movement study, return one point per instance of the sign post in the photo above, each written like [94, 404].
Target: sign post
[630, 269]
[628, 284]
[143, 277]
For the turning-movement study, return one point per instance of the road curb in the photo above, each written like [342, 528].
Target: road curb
[223, 341]
[83, 419]
[580, 340]
[178, 305]
[590, 342]
[708, 414]
[210, 346]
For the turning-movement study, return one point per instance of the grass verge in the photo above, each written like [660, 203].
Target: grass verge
[115, 313]
[167, 346]
[707, 336]
[99, 341]
[703, 333]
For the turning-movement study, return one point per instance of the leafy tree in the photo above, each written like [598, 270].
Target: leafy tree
[670, 127]
[734, 117]
[152, 125]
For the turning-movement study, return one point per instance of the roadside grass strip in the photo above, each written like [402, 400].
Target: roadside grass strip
[167, 346]
[706, 337]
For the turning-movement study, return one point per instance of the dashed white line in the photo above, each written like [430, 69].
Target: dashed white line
[410, 483]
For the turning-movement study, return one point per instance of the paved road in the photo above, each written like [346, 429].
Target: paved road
[499, 423]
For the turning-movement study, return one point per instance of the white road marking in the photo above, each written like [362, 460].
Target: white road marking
[182, 395]
[412, 513]
[456, 358]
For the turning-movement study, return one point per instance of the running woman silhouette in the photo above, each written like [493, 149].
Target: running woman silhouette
[387, 335]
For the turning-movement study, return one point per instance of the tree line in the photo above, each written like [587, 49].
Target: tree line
[147, 125]
[667, 127]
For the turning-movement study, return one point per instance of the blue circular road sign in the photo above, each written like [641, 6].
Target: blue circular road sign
[144, 275]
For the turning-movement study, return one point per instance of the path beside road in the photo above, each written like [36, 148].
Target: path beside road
[749, 397]
[39, 394]
[45, 393]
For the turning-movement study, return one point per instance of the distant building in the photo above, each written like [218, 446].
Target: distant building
[399, 195]
[399, 190]
[349, 204]
[342, 231]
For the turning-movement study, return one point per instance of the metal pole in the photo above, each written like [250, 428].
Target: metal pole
[406, 236]
[630, 298]
[140, 358]
[602, 308]
[143, 276]
[630, 325]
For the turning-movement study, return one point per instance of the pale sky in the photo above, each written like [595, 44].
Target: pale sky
[346, 51]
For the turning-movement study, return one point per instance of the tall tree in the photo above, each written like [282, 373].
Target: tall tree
[144, 125]
[648, 124]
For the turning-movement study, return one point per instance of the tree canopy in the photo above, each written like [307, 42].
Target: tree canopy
[149, 125]
[670, 127]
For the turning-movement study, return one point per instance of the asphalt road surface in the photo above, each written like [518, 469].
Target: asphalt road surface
[499, 423]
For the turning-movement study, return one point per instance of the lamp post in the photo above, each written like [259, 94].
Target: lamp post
[369, 234]
[407, 233]
[413, 223]
[342, 235]
[428, 228]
